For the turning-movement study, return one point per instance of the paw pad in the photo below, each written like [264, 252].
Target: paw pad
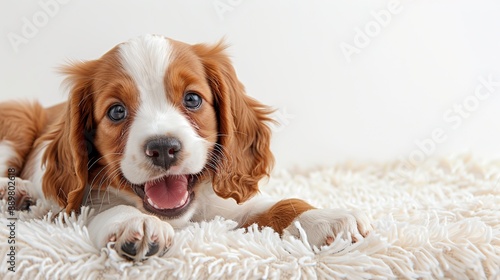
[129, 248]
[153, 249]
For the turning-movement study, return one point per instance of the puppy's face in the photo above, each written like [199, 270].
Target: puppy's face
[153, 119]
[156, 124]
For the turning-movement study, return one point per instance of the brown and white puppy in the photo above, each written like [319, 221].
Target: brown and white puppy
[156, 134]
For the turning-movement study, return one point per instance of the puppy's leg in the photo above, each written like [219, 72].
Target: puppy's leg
[20, 125]
[137, 236]
[322, 226]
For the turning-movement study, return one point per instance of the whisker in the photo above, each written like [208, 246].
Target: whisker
[107, 191]
[92, 183]
[98, 159]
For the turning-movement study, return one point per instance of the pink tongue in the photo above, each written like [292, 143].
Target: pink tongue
[168, 192]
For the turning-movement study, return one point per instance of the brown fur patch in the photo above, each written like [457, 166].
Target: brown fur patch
[280, 215]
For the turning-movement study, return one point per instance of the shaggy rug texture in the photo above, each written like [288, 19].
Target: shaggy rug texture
[437, 220]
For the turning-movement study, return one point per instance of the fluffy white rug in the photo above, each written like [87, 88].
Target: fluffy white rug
[438, 220]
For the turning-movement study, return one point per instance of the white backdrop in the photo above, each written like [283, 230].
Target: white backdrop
[352, 80]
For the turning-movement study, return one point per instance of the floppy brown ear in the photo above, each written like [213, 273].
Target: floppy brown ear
[243, 149]
[66, 157]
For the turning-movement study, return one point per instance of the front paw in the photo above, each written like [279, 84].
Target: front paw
[135, 235]
[142, 237]
[322, 226]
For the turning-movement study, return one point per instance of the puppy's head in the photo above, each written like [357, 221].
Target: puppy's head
[154, 118]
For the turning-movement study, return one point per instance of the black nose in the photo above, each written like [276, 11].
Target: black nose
[163, 151]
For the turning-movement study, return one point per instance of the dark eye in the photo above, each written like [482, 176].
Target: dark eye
[117, 112]
[192, 101]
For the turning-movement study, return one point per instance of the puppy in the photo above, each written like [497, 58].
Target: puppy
[155, 134]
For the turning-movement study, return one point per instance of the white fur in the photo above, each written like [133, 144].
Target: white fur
[320, 225]
[146, 60]
[123, 223]
[38, 171]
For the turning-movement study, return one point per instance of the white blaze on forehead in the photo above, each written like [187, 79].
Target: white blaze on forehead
[146, 60]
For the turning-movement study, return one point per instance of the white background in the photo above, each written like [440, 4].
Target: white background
[401, 85]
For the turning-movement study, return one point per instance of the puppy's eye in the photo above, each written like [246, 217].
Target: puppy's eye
[192, 101]
[117, 112]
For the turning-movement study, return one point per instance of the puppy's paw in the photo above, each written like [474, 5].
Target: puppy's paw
[17, 192]
[142, 237]
[136, 235]
[322, 226]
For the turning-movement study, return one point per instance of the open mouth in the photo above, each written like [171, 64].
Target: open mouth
[168, 196]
